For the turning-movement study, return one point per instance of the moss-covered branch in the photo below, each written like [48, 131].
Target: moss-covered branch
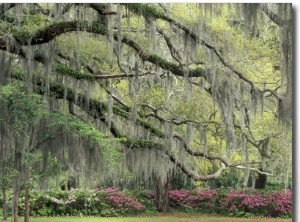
[64, 70]
[146, 144]
[150, 11]
[146, 10]
[141, 144]
[157, 60]
[48, 33]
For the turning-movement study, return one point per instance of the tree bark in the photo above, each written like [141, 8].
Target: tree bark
[16, 191]
[16, 183]
[4, 199]
[260, 182]
[162, 193]
[27, 207]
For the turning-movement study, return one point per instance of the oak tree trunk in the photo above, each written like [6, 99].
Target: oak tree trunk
[162, 194]
[260, 182]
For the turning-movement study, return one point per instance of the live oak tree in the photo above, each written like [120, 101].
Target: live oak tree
[143, 90]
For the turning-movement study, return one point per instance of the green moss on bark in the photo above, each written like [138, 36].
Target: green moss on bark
[141, 144]
[73, 72]
[146, 10]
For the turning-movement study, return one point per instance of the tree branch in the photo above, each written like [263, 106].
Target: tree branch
[189, 173]
[273, 16]
[174, 53]
[148, 11]
[49, 33]
[200, 154]
[254, 169]
[96, 109]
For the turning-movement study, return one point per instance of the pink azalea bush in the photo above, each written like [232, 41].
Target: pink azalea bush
[234, 202]
[279, 203]
[113, 202]
[194, 199]
[272, 204]
[121, 202]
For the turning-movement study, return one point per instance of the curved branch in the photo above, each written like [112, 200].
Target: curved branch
[93, 77]
[49, 33]
[141, 144]
[189, 173]
[200, 154]
[175, 69]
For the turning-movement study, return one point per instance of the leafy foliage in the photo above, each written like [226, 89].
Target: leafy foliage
[23, 106]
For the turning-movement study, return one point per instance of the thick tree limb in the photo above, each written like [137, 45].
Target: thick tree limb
[141, 144]
[196, 177]
[49, 33]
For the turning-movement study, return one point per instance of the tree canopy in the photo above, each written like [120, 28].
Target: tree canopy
[134, 90]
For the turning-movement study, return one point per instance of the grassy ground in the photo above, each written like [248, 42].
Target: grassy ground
[177, 217]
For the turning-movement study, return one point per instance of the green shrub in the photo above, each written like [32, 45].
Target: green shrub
[110, 202]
